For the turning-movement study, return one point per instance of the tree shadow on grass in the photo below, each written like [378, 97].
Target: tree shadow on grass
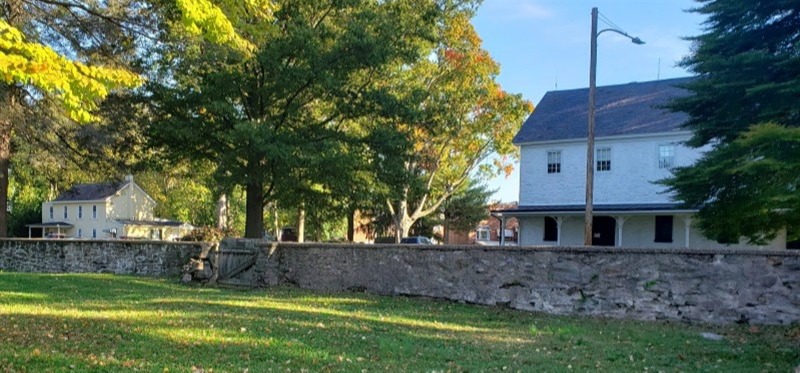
[149, 324]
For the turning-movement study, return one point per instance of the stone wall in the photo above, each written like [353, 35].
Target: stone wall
[719, 286]
[145, 258]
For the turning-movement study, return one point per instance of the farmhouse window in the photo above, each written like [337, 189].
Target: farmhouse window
[666, 156]
[603, 159]
[554, 162]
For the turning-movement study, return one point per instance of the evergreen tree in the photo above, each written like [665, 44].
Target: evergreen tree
[744, 107]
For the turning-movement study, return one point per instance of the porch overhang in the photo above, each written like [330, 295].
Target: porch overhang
[605, 209]
[55, 224]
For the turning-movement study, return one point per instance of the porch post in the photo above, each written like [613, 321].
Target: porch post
[559, 223]
[620, 223]
[687, 224]
[502, 231]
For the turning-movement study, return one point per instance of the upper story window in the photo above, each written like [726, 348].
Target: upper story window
[603, 159]
[554, 162]
[66, 213]
[51, 212]
[666, 156]
[94, 212]
[80, 212]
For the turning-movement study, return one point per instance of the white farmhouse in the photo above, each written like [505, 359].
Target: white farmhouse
[109, 210]
[637, 143]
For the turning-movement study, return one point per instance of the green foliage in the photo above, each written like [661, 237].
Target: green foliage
[451, 118]
[754, 189]
[91, 322]
[26, 208]
[267, 121]
[467, 207]
[747, 87]
[181, 192]
[208, 234]
[75, 85]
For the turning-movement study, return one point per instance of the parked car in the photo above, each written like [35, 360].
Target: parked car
[416, 240]
[53, 235]
[288, 235]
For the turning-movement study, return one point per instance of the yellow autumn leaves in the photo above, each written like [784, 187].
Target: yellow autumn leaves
[204, 18]
[78, 87]
[75, 85]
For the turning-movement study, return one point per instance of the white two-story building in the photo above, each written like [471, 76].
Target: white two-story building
[107, 210]
[637, 143]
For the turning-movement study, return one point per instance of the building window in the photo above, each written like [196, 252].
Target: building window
[666, 156]
[94, 212]
[66, 215]
[663, 229]
[51, 212]
[483, 234]
[550, 229]
[80, 233]
[80, 212]
[554, 162]
[603, 159]
[94, 233]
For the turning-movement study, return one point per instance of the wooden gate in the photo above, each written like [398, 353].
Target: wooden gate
[234, 266]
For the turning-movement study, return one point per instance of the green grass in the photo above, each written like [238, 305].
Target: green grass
[72, 322]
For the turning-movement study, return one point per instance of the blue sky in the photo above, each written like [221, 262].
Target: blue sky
[543, 45]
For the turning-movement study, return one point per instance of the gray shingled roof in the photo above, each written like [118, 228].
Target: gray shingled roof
[626, 109]
[91, 192]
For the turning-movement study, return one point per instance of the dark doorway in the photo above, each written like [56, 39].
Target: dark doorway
[603, 228]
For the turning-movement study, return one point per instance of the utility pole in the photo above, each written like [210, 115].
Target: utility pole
[587, 219]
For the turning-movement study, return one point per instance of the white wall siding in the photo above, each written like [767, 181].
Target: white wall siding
[637, 231]
[634, 168]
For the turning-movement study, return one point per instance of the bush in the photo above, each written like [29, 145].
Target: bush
[208, 234]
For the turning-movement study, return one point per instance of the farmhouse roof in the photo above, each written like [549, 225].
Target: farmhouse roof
[626, 109]
[91, 192]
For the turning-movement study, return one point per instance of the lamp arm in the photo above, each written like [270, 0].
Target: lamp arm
[634, 39]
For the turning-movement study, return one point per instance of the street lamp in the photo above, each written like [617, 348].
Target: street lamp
[587, 229]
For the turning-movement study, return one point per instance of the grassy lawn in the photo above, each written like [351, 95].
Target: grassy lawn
[70, 322]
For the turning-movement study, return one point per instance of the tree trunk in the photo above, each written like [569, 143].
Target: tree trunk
[5, 162]
[222, 212]
[351, 225]
[402, 222]
[275, 221]
[301, 222]
[10, 93]
[254, 225]
[317, 228]
[446, 237]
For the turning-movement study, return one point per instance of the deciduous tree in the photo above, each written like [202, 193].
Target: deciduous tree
[456, 121]
[310, 67]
